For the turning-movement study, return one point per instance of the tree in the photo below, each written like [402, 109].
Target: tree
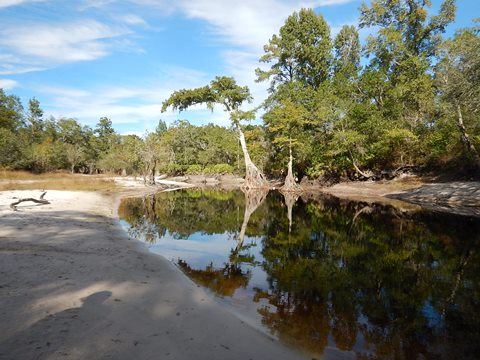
[10, 152]
[11, 111]
[301, 51]
[346, 52]
[161, 127]
[150, 156]
[285, 123]
[35, 114]
[106, 135]
[458, 78]
[75, 154]
[222, 90]
[403, 49]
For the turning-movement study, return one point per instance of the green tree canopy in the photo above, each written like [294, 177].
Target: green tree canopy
[301, 51]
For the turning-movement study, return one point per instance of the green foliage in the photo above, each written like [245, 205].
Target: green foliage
[11, 111]
[301, 51]
[10, 153]
[219, 169]
[347, 52]
[397, 147]
[222, 90]
[194, 169]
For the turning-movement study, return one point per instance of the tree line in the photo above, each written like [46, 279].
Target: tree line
[407, 99]
[30, 142]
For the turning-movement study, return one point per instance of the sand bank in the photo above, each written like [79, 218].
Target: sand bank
[74, 286]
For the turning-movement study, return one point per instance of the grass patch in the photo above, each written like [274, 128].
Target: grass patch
[25, 175]
[58, 182]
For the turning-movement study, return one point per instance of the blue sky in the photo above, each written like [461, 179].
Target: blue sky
[121, 58]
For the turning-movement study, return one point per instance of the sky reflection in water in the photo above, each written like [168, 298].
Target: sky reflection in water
[333, 278]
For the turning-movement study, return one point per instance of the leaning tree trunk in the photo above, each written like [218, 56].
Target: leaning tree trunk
[466, 139]
[254, 178]
[290, 184]
[367, 174]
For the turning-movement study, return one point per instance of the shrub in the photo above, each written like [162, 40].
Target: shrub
[172, 169]
[195, 169]
[219, 169]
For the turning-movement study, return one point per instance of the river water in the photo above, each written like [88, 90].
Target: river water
[332, 278]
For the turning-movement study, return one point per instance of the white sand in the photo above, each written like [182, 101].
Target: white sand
[74, 286]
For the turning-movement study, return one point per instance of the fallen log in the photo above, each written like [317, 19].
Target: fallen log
[40, 200]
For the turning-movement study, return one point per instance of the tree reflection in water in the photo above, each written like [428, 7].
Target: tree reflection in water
[377, 281]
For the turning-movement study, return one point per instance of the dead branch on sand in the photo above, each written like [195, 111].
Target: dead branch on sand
[40, 200]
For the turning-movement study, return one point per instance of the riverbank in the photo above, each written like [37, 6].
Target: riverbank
[73, 285]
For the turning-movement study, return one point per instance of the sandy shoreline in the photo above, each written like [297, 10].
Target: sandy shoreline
[74, 286]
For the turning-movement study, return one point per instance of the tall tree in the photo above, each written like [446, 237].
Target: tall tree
[301, 51]
[285, 124]
[222, 90]
[35, 114]
[458, 77]
[106, 135]
[11, 111]
[347, 48]
[406, 41]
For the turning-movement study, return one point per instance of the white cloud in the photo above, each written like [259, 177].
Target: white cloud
[7, 84]
[132, 19]
[246, 23]
[7, 3]
[136, 107]
[243, 25]
[60, 42]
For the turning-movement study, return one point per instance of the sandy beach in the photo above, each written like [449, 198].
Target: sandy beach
[74, 286]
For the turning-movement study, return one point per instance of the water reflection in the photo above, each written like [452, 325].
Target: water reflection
[367, 280]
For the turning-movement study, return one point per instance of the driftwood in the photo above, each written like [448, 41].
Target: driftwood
[40, 200]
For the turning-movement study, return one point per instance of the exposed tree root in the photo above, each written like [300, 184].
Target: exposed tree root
[290, 185]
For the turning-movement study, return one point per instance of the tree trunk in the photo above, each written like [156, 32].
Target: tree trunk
[367, 174]
[254, 178]
[290, 184]
[465, 138]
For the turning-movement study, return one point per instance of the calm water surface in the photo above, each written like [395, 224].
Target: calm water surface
[335, 279]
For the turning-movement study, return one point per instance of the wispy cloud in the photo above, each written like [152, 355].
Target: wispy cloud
[132, 19]
[60, 42]
[247, 23]
[137, 106]
[253, 24]
[7, 84]
[7, 3]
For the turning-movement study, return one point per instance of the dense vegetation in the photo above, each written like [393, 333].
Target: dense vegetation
[412, 103]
